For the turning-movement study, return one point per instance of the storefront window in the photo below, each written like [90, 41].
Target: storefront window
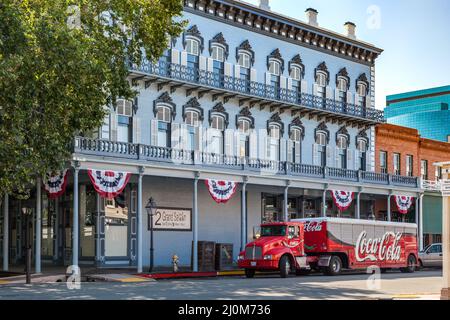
[116, 225]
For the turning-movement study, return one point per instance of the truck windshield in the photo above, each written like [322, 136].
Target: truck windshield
[271, 231]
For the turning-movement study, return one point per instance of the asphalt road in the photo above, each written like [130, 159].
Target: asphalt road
[350, 286]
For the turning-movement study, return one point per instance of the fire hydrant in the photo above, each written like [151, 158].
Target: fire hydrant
[175, 261]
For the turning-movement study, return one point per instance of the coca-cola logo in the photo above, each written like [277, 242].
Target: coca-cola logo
[384, 248]
[313, 226]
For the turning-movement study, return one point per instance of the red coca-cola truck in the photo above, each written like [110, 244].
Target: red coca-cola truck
[331, 245]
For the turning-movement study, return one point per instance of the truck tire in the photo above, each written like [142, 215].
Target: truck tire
[285, 266]
[249, 273]
[411, 266]
[335, 266]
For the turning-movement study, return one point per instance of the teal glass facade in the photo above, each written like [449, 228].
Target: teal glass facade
[424, 110]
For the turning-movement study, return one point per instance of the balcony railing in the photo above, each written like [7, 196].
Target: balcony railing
[432, 185]
[106, 148]
[260, 90]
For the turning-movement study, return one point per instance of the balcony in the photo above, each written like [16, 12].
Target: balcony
[251, 92]
[197, 159]
[429, 185]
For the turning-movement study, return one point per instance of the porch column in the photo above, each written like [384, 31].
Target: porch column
[5, 233]
[389, 207]
[421, 222]
[56, 231]
[75, 227]
[244, 214]
[445, 293]
[285, 204]
[358, 205]
[139, 222]
[98, 254]
[324, 206]
[195, 225]
[37, 259]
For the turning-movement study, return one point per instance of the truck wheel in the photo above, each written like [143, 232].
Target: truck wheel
[249, 273]
[285, 266]
[411, 266]
[335, 266]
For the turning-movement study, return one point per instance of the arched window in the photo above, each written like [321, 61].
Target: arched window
[275, 64]
[124, 120]
[218, 56]
[275, 67]
[217, 134]
[244, 127]
[295, 138]
[342, 145]
[245, 58]
[192, 120]
[296, 73]
[193, 46]
[164, 117]
[322, 137]
[274, 142]
[362, 85]
[362, 152]
[342, 85]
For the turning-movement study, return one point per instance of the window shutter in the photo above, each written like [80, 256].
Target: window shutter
[228, 69]
[356, 160]
[210, 64]
[316, 160]
[113, 125]
[268, 78]
[184, 58]
[154, 132]
[199, 138]
[262, 137]
[237, 71]
[336, 94]
[289, 83]
[283, 82]
[337, 158]
[349, 97]
[368, 163]
[229, 137]
[175, 136]
[136, 130]
[207, 142]
[368, 102]
[268, 154]
[290, 146]
[298, 152]
[283, 150]
[237, 143]
[356, 101]
[253, 75]
[329, 92]
[253, 141]
[175, 56]
[329, 154]
[304, 86]
[350, 162]
[202, 63]
[315, 89]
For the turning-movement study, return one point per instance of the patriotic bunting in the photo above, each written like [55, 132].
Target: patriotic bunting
[342, 199]
[55, 183]
[403, 203]
[221, 191]
[109, 184]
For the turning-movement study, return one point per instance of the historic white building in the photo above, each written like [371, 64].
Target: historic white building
[284, 108]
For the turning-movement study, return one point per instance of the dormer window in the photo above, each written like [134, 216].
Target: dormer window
[274, 67]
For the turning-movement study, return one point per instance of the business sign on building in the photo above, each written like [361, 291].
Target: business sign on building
[446, 188]
[172, 219]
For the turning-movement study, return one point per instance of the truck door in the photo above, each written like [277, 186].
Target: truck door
[294, 240]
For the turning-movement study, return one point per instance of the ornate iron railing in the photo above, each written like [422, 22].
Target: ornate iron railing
[106, 148]
[251, 88]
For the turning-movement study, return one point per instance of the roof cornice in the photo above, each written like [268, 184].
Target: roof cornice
[280, 26]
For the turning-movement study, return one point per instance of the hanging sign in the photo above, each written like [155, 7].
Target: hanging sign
[172, 219]
[109, 184]
[55, 183]
[342, 199]
[403, 203]
[221, 191]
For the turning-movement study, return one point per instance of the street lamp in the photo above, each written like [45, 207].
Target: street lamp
[27, 214]
[150, 206]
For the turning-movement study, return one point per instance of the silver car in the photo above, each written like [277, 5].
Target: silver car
[431, 256]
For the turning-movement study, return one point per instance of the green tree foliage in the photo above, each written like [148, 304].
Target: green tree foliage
[61, 62]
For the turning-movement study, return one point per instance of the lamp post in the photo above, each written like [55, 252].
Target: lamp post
[27, 214]
[151, 204]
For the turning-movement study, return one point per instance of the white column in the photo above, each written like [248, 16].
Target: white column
[358, 205]
[285, 204]
[244, 214]
[445, 294]
[75, 226]
[324, 200]
[389, 208]
[140, 229]
[5, 233]
[56, 231]
[195, 225]
[37, 259]
[421, 222]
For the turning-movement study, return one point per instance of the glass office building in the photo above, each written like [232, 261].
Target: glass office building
[424, 110]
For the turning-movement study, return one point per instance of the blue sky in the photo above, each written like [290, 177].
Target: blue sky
[415, 36]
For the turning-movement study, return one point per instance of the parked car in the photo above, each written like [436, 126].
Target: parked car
[431, 256]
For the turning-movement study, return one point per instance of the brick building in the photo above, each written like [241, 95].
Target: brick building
[402, 151]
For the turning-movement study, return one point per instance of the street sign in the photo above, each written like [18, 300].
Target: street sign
[446, 188]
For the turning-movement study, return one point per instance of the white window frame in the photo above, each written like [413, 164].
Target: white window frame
[342, 84]
[218, 53]
[167, 114]
[275, 67]
[218, 122]
[244, 128]
[244, 59]
[321, 79]
[296, 134]
[124, 107]
[342, 142]
[362, 89]
[319, 141]
[193, 46]
[296, 73]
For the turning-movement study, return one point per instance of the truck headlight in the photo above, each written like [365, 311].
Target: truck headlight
[268, 257]
[241, 257]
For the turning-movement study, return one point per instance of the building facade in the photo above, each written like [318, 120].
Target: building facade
[403, 151]
[282, 107]
[424, 110]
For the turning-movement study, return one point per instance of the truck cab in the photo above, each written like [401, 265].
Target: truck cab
[279, 247]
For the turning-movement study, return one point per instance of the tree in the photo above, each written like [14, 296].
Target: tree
[61, 62]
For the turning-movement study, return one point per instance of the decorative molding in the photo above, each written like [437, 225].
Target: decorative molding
[276, 119]
[245, 46]
[194, 32]
[297, 61]
[343, 132]
[245, 113]
[322, 127]
[165, 99]
[276, 55]
[297, 123]
[219, 109]
[219, 39]
[193, 104]
[343, 74]
[322, 68]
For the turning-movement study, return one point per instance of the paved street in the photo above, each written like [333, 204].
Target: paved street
[351, 286]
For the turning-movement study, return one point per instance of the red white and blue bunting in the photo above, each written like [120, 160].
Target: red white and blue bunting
[403, 203]
[55, 183]
[221, 191]
[342, 199]
[109, 184]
